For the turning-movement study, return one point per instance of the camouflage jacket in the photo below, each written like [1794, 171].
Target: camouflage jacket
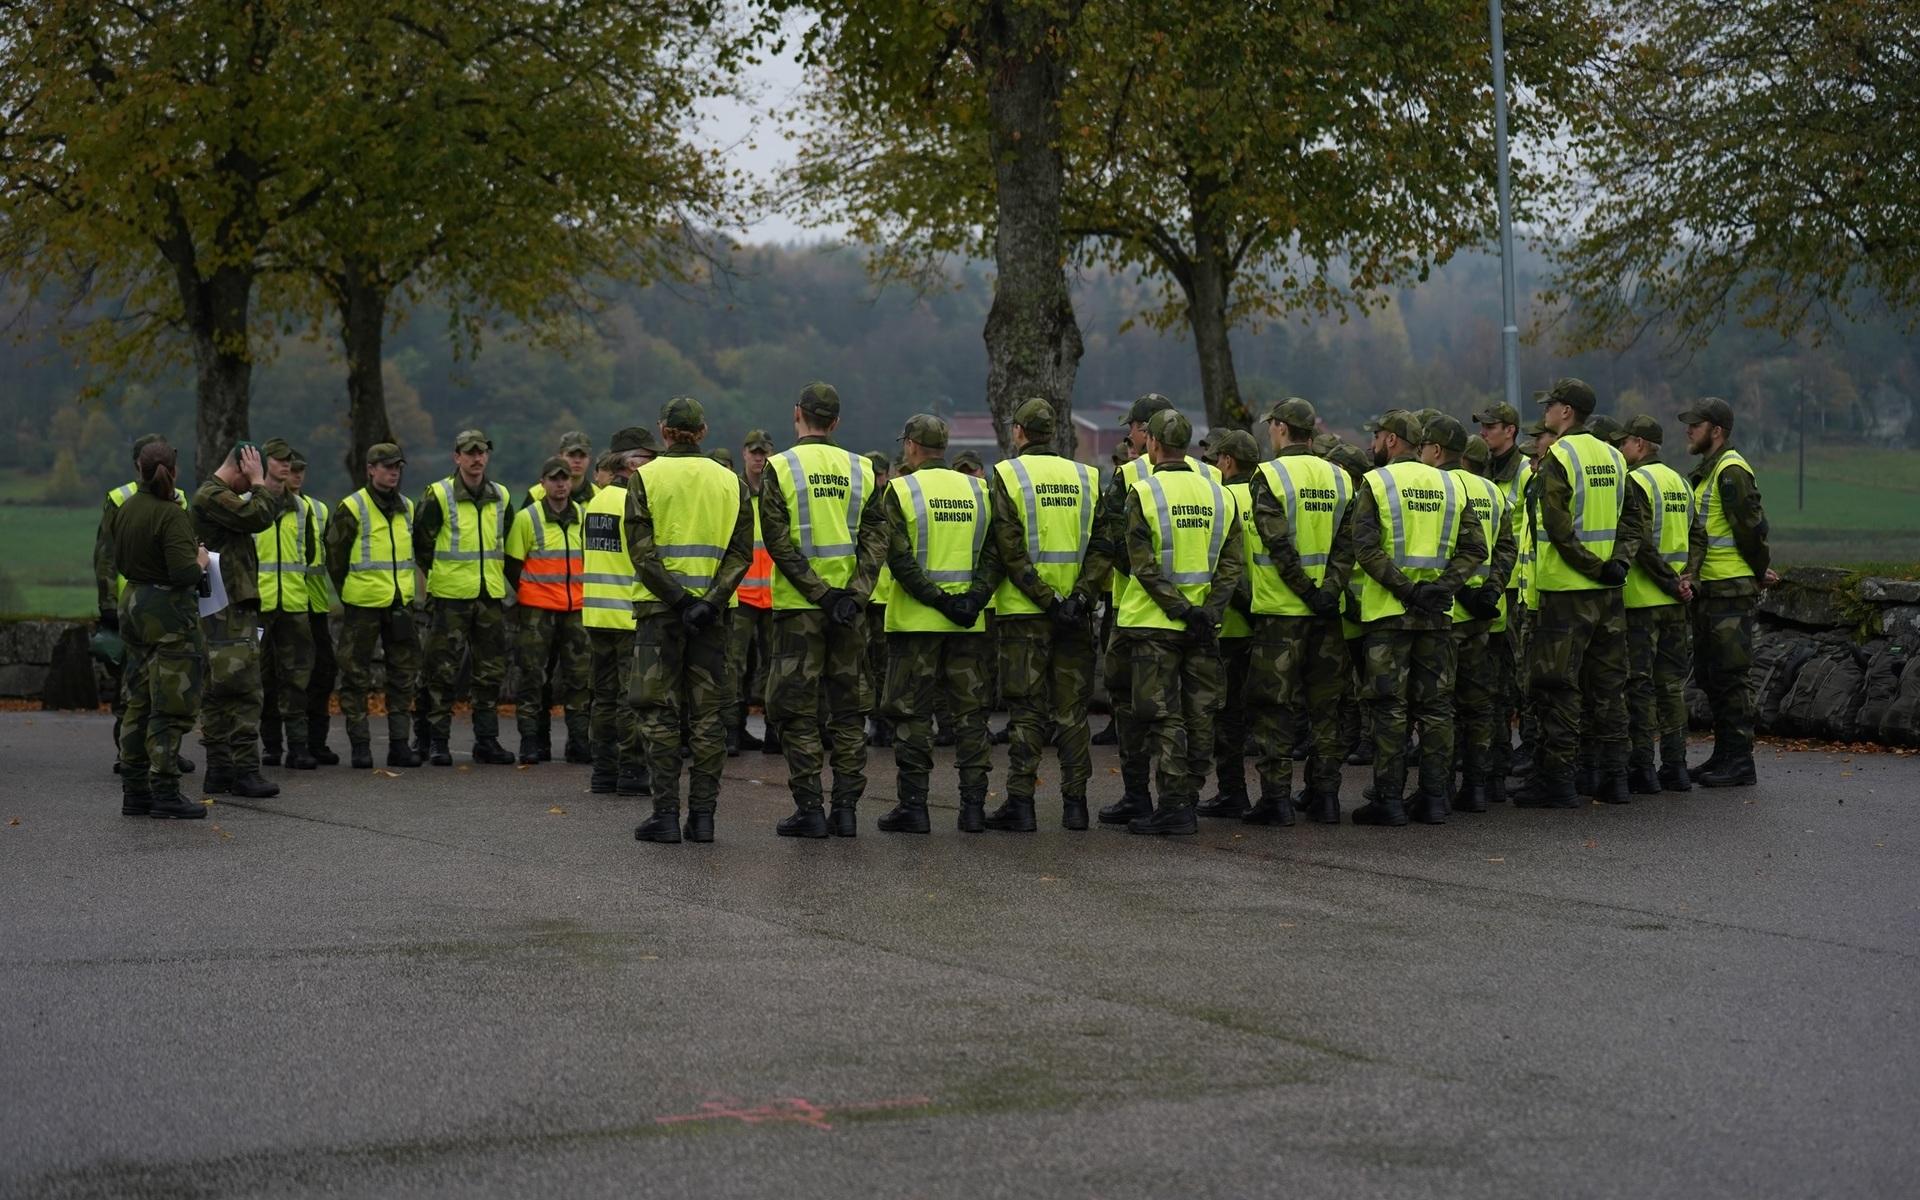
[1740, 500]
[1144, 564]
[1369, 552]
[226, 521]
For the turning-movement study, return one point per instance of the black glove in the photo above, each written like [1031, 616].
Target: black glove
[1429, 598]
[1069, 612]
[1614, 573]
[961, 609]
[1323, 602]
[1483, 603]
[110, 619]
[1201, 629]
[845, 608]
[696, 615]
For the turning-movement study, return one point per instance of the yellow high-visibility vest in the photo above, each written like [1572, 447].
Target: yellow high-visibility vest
[1316, 494]
[1054, 499]
[380, 573]
[695, 504]
[1723, 559]
[946, 514]
[1489, 502]
[1188, 514]
[552, 556]
[826, 489]
[1670, 505]
[606, 580]
[1598, 474]
[1419, 510]
[283, 549]
[469, 548]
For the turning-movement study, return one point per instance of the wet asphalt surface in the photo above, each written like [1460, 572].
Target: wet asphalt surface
[472, 981]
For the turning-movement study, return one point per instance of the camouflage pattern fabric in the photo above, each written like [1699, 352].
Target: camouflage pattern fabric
[815, 658]
[1230, 720]
[919, 667]
[1046, 677]
[1520, 632]
[230, 711]
[160, 680]
[1356, 718]
[1722, 655]
[1479, 713]
[749, 645]
[1298, 666]
[394, 631]
[1176, 690]
[542, 636]
[1136, 756]
[1409, 684]
[460, 629]
[680, 675]
[1579, 648]
[1659, 656]
[286, 667]
[613, 730]
[320, 682]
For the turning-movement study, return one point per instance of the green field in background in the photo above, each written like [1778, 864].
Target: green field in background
[47, 567]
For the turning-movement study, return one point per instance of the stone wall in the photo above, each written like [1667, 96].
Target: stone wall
[46, 660]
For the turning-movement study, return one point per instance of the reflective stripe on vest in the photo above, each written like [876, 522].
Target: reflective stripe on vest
[606, 582]
[1233, 622]
[1186, 559]
[381, 570]
[935, 502]
[1419, 509]
[317, 599]
[1670, 509]
[1723, 559]
[466, 556]
[282, 571]
[1313, 522]
[756, 590]
[1598, 475]
[824, 512]
[550, 575]
[695, 504]
[1522, 580]
[1056, 498]
[1489, 502]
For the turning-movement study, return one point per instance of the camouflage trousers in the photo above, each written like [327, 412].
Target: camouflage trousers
[749, 645]
[230, 712]
[1046, 676]
[1356, 718]
[1116, 672]
[1174, 689]
[815, 658]
[159, 685]
[1722, 657]
[1409, 686]
[286, 667]
[920, 668]
[1479, 701]
[542, 636]
[1230, 719]
[1578, 649]
[393, 630]
[613, 730]
[1659, 656]
[1515, 703]
[1298, 667]
[463, 631]
[679, 676]
[320, 681]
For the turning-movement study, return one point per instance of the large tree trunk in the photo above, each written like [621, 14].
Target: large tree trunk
[1209, 287]
[363, 326]
[216, 310]
[1033, 340]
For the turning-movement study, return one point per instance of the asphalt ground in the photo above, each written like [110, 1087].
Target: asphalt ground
[472, 981]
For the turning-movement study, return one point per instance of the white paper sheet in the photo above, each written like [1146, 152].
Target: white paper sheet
[210, 605]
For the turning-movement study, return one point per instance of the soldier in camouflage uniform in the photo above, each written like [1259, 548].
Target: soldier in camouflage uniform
[1500, 432]
[689, 533]
[1406, 608]
[881, 732]
[544, 567]
[286, 644]
[1728, 565]
[326, 669]
[154, 547]
[375, 580]
[576, 450]
[607, 612]
[750, 622]
[227, 519]
[1235, 456]
[1356, 717]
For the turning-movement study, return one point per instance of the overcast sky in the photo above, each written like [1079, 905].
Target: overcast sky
[755, 140]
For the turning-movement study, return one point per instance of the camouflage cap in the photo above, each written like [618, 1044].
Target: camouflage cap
[1711, 409]
[1170, 429]
[925, 429]
[1538, 428]
[1239, 445]
[1529, 448]
[1378, 423]
[1644, 427]
[144, 440]
[1351, 459]
[1144, 408]
[881, 460]
[1122, 451]
[820, 400]
[722, 455]
[276, 448]
[472, 439]
[1571, 392]
[1294, 413]
[1497, 414]
[683, 413]
[1604, 427]
[1477, 454]
[385, 454]
[1443, 431]
[1323, 444]
[1036, 417]
[1427, 414]
[297, 461]
[555, 466]
[757, 439]
[633, 437]
[965, 459]
[575, 441]
[1401, 424]
[611, 461]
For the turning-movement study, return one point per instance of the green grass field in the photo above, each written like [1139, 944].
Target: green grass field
[47, 569]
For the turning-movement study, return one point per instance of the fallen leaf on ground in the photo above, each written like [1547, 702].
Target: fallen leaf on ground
[557, 811]
[1049, 879]
[383, 773]
[1497, 860]
[523, 766]
[13, 820]
[1593, 843]
[207, 800]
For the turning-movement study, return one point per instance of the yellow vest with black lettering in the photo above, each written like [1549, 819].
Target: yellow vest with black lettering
[283, 549]
[380, 569]
[606, 576]
[471, 546]
[1598, 474]
[1489, 502]
[1188, 514]
[1053, 502]
[825, 489]
[1315, 494]
[1419, 510]
[1723, 559]
[1670, 515]
[946, 514]
[695, 504]
[120, 496]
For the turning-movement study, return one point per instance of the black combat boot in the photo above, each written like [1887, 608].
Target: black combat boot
[299, 760]
[1496, 781]
[489, 750]
[663, 827]
[1134, 801]
[1674, 778]
[1015, 816]
[1073, 812]
[1325, 809]
[270, 756]
[219, 779]
[1167, 819]
[771, 743]
[361, 754]
[1732, 771]
[843, 821]
[803, 823]
[399, 754]
[1713, 763]
[438, 754]
[1472, 797]
[1611, 788]
[973, 814]
[529, 751]
[733, 742]
[1547, 791]
[1586, 780]
[135, 802]
[1520, 760]
[579, 753]
[1108, 736]
[1223, 804]
[253, 786]
[1361, 753]
[744, 736]
[1384, 806]
[1270, 810]
[633, 781]
[1642, 781]
[317, 739]
[1430, 806]
[700, 825]
[908, 816]
[175, 808]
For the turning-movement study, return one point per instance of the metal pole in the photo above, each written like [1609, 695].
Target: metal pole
[1510, 328]
[1800, 417]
